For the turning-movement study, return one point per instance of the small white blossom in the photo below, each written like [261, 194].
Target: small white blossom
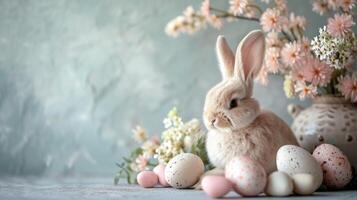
[335, 51]
[178, 137]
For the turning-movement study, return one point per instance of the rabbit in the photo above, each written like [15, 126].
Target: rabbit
[236, 124]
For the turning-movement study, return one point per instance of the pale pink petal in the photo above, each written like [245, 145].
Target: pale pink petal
[291, 53]
[272, 19]
[317, 72]
[340, 25]
[320, 7]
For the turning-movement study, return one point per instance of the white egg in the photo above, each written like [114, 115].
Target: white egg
[279, 184]
[293, 160]
[304, 184]
[184, 170]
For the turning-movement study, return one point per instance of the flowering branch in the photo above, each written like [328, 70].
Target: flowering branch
[310, 68]
[225, 14]
[255, 7]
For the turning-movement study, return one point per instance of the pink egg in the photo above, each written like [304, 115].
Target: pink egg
[335, 166]
[216, 186]
[159, 170]
[247, 175]
[147, 179]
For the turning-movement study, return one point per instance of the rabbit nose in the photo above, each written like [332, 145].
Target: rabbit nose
[213, 121]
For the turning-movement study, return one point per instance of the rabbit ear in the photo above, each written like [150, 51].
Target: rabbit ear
[225, 57]
[249, 58]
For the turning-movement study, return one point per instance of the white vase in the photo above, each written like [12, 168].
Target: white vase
[330, 120]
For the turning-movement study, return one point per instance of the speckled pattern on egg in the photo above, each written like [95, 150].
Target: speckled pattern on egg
[248, 176]
[335, 165]
[292, 160]
[184, 170]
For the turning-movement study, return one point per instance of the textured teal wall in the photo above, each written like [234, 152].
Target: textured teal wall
[77, 75]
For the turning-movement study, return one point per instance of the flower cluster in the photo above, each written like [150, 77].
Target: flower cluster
[178, 137]
[327, 69]
[335, 51]
[323, 6]
[318, 67]
[147, 149]
[192, 21]
[286, 44]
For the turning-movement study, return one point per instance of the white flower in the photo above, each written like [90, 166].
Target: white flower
[190, 22]
[335, 51]
[179, 137]
[139, 134]
[188, 143]
[167, 123]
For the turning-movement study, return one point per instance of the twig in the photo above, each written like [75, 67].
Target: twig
[286, 36]
[224, 14]
[256, 7]
[300, 30]
[293, 34]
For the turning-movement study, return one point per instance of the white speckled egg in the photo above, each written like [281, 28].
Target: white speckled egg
[335, 165]
[247, 175]
[184, 170]
[292, 160]
[279, 184]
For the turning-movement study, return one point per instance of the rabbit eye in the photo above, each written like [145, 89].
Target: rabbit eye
[233, 103]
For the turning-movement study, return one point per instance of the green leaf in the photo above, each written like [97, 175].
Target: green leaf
[127, 160]
[117, 178]
[136, 152]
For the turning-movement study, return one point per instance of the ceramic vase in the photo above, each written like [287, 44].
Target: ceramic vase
[330, 120]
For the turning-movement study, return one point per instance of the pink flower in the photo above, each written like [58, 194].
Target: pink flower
[316, 72]
[320, 7]
[272, 40]
[215, 21]
[333, 4]
[297, 21]
[281, 5]
[155, 140]
[141, 162]
[305, 90]
[237, 7]
[291, 53]
[340, 25]
[272, 20]
[305, 45]
[250, 12]
[205, 8]
[348, 87]
[297, 71]
[347, 5]
[272, 56]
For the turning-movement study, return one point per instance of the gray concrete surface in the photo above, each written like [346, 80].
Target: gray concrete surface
[98, 189]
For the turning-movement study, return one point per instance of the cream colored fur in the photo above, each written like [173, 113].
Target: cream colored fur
[245, 129]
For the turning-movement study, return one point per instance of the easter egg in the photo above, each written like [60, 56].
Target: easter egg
[335, 165]
[159, 170]
[279, 184]
[247, 175]
[293, 160]
[216, 186]
[184, 170]
[304, 184]
[147, 179]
